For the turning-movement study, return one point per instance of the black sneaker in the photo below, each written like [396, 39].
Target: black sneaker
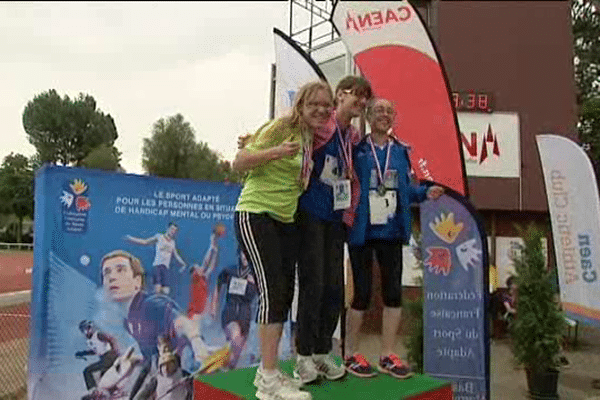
[394, 366]
[359, 366]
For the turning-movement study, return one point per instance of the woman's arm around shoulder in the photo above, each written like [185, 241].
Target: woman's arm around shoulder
[247, 159]
[266, 146]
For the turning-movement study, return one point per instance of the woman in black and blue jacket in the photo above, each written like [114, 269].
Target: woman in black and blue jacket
[382, 225]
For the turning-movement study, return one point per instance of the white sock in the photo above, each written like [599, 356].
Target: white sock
[267, 373]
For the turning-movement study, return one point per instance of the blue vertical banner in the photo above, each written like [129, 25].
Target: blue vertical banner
[138, 283]
[455, 282]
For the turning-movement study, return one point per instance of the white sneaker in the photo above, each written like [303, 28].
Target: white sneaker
[278, 387]
[292, 381]
[327, 367]
[305, 369]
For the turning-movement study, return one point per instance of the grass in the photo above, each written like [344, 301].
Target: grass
[11, 251]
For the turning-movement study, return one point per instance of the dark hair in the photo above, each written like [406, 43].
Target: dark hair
[243, 270]
[172, 224]
[357, 83]
[85, 325]
[510, 281]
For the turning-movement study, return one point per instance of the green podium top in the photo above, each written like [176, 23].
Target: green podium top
[350, 387]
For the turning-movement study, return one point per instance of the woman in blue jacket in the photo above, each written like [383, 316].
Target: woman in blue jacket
[382, 224]
[325, 209]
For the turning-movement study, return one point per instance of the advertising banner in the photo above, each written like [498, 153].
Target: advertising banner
[394, 52]
[575, 217]
[491, 144]
[138, 282]
[455, 279]
[293, 69]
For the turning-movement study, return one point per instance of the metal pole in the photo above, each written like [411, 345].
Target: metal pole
[291, 15]
[273, 92]
[432, 16]
[310, 31]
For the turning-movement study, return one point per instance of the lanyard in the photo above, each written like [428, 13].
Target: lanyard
[346, 152]
[381, 174]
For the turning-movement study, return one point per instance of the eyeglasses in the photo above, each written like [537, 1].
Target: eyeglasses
[356, 93]
[383, 110]
[313, 105]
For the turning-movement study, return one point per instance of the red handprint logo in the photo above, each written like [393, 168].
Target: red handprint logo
[438, 260]
[82, 203]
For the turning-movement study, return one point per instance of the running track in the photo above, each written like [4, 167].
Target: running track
[15, 271]
[15, 276]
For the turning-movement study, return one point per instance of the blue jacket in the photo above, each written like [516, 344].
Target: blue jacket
[317, 200]
[398, 227]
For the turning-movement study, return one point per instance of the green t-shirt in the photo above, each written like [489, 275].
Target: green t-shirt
[273, 187]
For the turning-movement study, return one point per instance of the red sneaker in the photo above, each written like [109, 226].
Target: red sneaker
[394, 366]
[359, 366]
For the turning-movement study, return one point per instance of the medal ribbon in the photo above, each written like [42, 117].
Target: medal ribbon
[346, 152]
[306, 159]
[380, 174]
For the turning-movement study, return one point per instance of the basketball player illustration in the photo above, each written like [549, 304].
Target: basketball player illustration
[201, 275]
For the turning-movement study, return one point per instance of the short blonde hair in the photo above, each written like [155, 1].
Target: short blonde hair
[134, 263]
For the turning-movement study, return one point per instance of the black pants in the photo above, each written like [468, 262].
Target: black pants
[321, 283]
[272, 249]
[106, 361]
[389, 258]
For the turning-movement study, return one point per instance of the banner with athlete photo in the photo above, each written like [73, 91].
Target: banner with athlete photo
[138, 284]
[394, 51]
[455, 288]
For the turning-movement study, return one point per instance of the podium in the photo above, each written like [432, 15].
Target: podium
[237, 385]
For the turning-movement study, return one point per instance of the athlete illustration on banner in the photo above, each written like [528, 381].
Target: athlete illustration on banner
[241, 290]
[165, 249]
[99, 344]
[169, 382]
[201, 275]
[148, 316]
[114, 384]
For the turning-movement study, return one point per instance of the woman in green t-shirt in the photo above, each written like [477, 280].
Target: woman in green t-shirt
[278, 158]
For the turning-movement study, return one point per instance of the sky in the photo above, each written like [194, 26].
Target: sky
[141, 61]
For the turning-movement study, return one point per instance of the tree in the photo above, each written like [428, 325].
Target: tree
[104, 157]
[586, 45]
[230, 175]
[16, 187]
[208, 165]
[65, 131]
[172, 151]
